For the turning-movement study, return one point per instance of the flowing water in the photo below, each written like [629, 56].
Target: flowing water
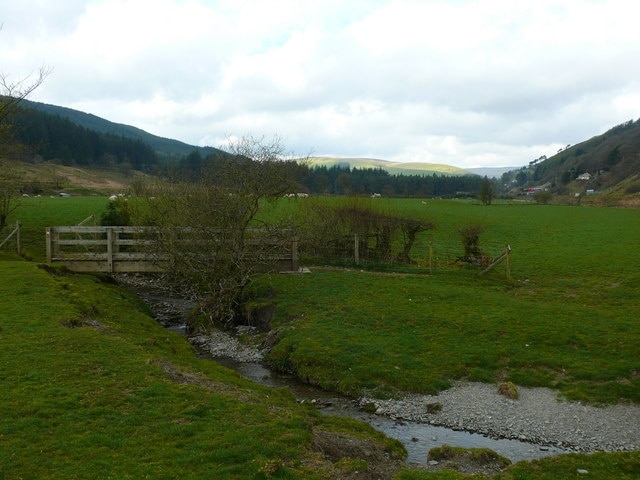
[417, 438]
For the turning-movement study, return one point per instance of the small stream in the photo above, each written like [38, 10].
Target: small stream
[417, 438]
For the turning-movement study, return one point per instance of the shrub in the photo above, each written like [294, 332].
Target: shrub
[471, 243]
[542, 197]
[118, 213]
[508, 389]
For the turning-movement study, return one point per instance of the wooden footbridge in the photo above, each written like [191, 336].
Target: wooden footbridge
[132, 249]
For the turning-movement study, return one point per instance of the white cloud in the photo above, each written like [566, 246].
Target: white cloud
[484, 82]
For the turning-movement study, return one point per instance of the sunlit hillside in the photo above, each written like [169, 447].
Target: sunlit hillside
[394, 168]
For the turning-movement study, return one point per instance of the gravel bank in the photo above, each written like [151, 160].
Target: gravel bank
[221, 344]
[538, 416]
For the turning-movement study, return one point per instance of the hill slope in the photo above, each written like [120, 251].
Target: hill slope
[394, 168]
[608, 162]
[165, 147]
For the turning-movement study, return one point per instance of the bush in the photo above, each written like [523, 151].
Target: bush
[471, 243]
[118, 213]
[508, 389]
[542, 197]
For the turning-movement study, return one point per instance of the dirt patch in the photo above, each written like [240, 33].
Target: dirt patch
[354, 458]
[84, 322]
[181, 377]
[471, 460]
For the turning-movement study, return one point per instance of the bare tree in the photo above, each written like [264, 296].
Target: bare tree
[329, 230]
[204, 225]
[11, 94]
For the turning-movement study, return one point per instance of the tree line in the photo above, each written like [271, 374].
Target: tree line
[60, 140]
[344, 180]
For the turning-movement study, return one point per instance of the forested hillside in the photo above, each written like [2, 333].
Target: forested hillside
[49, 136]
[165, 148]
[604, 162]
[59, 140]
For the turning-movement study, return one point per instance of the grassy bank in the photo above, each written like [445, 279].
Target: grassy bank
[94, 388]
[567, 319]
[618, 466]
[349, 330]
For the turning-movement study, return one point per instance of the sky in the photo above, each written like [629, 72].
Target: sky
[467, 83]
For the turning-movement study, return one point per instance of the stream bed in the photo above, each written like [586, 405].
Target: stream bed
[417, 437]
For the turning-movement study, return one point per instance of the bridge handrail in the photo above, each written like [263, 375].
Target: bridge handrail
[129, 248]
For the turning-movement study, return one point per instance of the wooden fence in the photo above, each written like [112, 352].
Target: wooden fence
[131, 249]
[503, 257]
[14, 233]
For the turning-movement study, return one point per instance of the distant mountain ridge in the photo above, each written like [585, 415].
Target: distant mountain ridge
[164, 147]
[394, 168]
[609, 161]
[170, 148]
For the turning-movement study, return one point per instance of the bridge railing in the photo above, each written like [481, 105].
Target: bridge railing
[114, 249]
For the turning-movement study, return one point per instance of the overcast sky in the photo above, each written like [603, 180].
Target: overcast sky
[466, 83]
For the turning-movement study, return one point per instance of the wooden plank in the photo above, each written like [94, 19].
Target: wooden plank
[80, 242]
[109, 257]
[116, 267]
[498, 259]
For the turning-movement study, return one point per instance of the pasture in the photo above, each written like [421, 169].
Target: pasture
[566, 318]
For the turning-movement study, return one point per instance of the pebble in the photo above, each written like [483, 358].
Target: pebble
[539, 416]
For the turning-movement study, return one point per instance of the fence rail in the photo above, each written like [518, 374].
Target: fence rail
[131, 249]
[14, 233]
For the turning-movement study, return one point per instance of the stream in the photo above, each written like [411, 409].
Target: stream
[417, 438]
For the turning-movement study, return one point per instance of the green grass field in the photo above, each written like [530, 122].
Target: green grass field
[94, 388]
[566, 319]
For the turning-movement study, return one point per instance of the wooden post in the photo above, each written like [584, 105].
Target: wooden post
[48, 245]
[110, 249]
[507, 260]
[294, 253]
[356, 249]
[18, 237]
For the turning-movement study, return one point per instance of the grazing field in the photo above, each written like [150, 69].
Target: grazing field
[94, 388]
[566, 319]
[37, 213]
